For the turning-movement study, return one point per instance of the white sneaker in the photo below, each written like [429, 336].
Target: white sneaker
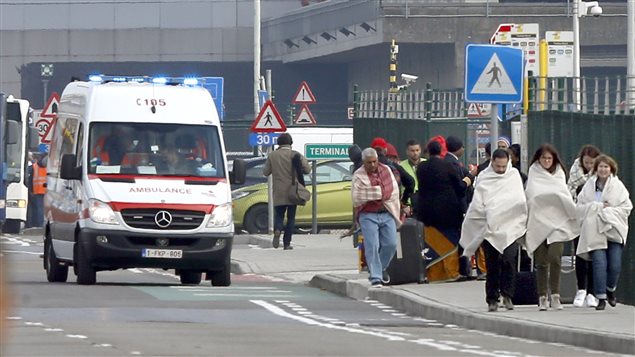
[591, 301]
[578, 301]
[543, 303]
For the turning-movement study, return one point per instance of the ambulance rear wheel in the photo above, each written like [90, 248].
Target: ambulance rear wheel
[11, 226]
[55, 273]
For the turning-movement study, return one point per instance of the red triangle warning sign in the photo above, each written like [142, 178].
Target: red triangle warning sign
[304, 117]
[51, 107]
[304, 95]
[268, 120]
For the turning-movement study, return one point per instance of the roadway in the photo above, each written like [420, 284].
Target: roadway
[146, 312]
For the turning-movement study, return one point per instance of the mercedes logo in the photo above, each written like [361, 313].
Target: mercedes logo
[163, 219]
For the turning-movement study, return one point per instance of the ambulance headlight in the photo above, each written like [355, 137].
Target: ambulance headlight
[221, 216]
[159, 80]
[190, 81]
[101, 212]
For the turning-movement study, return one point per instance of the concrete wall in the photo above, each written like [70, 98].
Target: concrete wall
[432, 36]
[117, 31]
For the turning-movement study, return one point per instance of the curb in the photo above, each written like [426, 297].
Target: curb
[503, 325]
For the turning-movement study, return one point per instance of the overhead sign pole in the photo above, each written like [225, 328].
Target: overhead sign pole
[493, 74]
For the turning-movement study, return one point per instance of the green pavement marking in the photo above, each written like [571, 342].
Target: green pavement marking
[237, 293]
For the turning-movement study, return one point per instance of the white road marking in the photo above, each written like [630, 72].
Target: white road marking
[20, 252]
[280, 312]
[77, 336]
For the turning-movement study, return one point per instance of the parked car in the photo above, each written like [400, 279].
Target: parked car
[253, 171]
[334, 201]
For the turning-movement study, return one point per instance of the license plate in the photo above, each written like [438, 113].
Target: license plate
[162, 253]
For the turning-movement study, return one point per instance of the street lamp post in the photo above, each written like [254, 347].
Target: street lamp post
[580, 8]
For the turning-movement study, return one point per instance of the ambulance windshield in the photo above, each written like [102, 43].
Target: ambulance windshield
[155, 149]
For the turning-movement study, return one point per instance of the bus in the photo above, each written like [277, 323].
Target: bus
[17, 115]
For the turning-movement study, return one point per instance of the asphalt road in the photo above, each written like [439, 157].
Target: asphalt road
[147, 312]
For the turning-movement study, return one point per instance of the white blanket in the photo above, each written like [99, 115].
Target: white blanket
[551, 210]
[498, 212]
[601, 224]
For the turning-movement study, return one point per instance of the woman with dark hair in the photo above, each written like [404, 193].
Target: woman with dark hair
[283, 164]
[551, 221]
[603, 209]
[439, 208]
[580, 172]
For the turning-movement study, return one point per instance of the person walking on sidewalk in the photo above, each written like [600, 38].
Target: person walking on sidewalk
[413, 150]
[377, 209]
[279, 164]
[439, 208]
[551, 221]
[497, 218]
[580, 172]
[603, 209]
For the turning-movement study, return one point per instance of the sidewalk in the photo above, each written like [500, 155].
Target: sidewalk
[328, 263]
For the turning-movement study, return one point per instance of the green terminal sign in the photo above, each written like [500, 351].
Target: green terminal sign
[326, 151]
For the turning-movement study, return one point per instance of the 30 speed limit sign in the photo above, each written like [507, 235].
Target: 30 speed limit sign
[43, 127]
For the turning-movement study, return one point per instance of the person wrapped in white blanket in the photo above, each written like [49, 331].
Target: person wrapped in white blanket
[497, 218]
[551, 221]
[603, 209]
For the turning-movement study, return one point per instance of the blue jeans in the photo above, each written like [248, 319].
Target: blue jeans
[607, 264]
[278, 222]
[380, 242]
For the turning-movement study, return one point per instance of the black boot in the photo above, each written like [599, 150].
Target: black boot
[610, 296]
[601, 304]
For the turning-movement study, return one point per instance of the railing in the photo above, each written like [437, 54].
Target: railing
[597, 95]
[423, 104]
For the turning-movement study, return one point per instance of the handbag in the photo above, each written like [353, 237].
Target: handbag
[297, 194]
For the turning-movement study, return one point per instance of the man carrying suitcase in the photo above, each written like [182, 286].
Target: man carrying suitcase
[377, 208]
[497, 217]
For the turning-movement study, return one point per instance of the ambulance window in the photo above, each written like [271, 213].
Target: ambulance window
[68, 136]
[80, 145]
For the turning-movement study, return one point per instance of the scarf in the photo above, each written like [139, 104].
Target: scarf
[388, 192]
[551, 211]
[600, 224]
[498, 212]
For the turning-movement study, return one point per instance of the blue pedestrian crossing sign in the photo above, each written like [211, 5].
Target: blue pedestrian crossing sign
[493, 74]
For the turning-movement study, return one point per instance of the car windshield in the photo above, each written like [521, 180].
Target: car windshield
[155, 149]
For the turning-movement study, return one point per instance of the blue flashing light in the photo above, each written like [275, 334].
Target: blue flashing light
[119, 79]
[190, 81]
[95, 78]
[159, 80]
[137, 79]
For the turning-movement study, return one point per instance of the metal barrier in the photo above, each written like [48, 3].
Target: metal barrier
[423, 104]
[597, 95]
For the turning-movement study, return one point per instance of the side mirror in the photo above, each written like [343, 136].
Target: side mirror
[239, 171]
[13, 132]
[34, 139]
[69, 171]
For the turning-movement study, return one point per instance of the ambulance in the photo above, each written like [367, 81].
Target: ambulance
[137, 178]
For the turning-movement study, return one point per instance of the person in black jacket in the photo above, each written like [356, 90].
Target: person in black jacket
[455, 151]
[439, 208]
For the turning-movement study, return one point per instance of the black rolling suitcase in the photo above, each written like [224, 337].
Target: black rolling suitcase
[408, 266]
[526, 292]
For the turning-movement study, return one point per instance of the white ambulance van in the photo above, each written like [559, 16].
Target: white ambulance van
[137, 178]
